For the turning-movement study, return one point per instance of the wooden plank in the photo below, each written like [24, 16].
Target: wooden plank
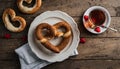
[66, 7]
[84, 33]
[99, 48]
[69, 6]
[94, 48]
[7, 47]
[85, 64]
[11, 64]
[70, 64]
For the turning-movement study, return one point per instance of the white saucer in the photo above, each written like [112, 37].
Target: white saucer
[106, 23]
[53, 17]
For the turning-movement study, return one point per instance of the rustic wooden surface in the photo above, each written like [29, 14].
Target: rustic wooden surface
[99, 52]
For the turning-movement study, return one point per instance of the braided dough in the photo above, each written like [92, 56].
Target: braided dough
[29, 10]
[10, 12]
[54, 33]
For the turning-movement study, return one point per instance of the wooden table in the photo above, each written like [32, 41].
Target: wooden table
[99, 52]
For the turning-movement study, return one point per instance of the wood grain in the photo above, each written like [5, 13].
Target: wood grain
[7, 48]
[85, 64]
[99, 48]
[84, 33]
[77, 5]
[94, 48]
[69, 6]
[10, 64]
[70, 64]
[99, 52]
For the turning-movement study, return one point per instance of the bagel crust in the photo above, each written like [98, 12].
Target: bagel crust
[10, 12]
[65, 25]
[29, 10]
[54, 33]
[39, 33]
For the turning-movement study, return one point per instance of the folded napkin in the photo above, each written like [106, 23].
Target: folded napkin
[29, 60]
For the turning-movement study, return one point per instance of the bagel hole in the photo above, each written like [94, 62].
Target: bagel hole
[14, 23]
[62, 29]
[56, 41]
[29, 5]
[46, 33]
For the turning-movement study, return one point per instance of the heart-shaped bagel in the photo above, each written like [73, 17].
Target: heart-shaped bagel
[26, 9]
[10, 12]
[54, 32]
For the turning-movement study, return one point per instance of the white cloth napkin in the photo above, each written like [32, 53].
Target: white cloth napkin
[29, 60]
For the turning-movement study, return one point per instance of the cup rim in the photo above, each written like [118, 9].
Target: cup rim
[108, 18]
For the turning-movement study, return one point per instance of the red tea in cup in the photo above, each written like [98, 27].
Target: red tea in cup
[97, 17]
